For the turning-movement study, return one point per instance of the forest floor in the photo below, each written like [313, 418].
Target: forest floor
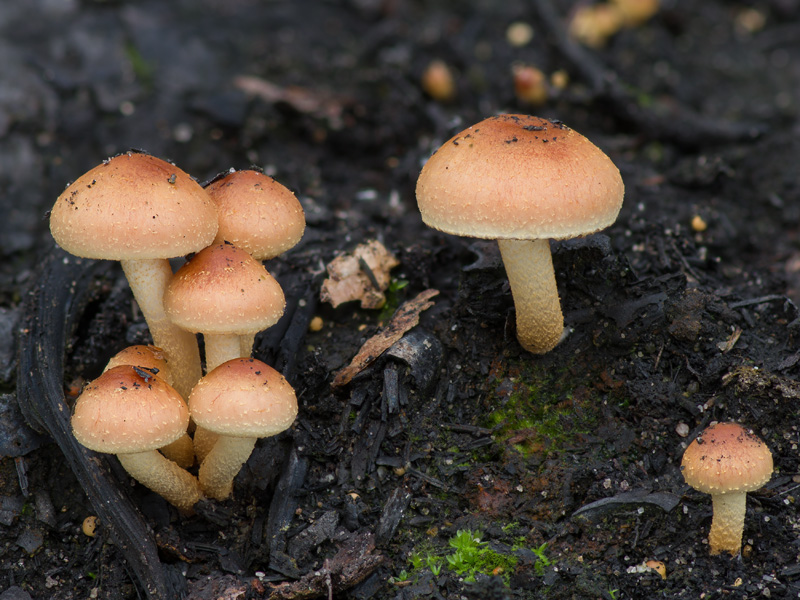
[566, 466]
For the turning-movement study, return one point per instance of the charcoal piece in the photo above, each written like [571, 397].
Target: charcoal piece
[366, 449]
[312, 536]
[423, 353]
[10, 509]
[392, 514]
[16, 437]
[627, 501]
[391, 392]
[281, 512]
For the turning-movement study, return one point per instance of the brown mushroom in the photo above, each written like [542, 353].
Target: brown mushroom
[727, 461]
[130, 412]
[151, 358]
[140, 210]
[241, 400]
[522, 180]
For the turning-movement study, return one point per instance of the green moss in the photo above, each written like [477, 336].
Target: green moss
[533, 411]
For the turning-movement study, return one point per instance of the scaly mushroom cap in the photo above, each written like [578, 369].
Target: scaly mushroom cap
[128, 410]
[223, 290]
[133, 206]
[725, 458]
[256, 213]
[243, 397]
[145, 356]
[519, 177]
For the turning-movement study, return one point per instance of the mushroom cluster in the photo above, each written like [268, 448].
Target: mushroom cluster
[144, 211]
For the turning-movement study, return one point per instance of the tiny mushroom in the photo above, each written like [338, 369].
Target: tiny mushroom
[241, 400]
[142, 211]
[129, 412]
[727, 461]
[152, 359]
[522, 180]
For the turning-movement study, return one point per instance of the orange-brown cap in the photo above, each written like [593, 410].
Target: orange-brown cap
[519, 177]
[145, 356]
[133, 206]
[725, 458]
[243, 397]
[128, 410]
[223, 290]
[256, 213]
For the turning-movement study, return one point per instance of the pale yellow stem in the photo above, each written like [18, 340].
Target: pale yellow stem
[148, 280]
[164, 477]
[222, 464]
[727, 522]
[529, 267]
[181, 451]
[220, 348]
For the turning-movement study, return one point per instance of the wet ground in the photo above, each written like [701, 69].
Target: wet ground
[565, 465]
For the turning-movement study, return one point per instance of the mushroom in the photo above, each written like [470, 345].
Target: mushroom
[727, 461]
[152, 359]
[142, 211]
[258, 215]
[223, 292]
[129, 412]
[522, 180]
[241, 400]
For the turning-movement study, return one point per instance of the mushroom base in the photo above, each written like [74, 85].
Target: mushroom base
[223, 463]
[727, 523]
[164, 477]
[529, 267]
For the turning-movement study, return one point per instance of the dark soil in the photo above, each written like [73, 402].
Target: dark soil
[574, 454]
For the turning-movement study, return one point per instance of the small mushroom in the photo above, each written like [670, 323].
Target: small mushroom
[141, 211]
[129, 412]
[152, 359]
[727, 461]
[258, 215]
[223, 293]
[522, 180]
[241, 400]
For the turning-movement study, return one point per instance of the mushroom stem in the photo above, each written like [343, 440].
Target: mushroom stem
[529, 267]
[246, 344]
[221, 348]
[148, 280]
[181, 451]
[223, 463]
[164, 477]
[727, 522]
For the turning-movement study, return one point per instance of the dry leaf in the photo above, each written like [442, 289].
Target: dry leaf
[362, 275]
[406, 317]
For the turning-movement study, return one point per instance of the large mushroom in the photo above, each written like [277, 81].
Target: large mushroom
[241, 400]
[130, 412]
[522, 180]
[141, 211]
[727, 460]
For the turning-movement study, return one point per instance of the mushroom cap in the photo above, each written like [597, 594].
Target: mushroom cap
[256, 213]
[145, 356]
[243, 397]
[519, 177]
[128, 410]
[726, 457]
[223, 290]
[133, 206]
